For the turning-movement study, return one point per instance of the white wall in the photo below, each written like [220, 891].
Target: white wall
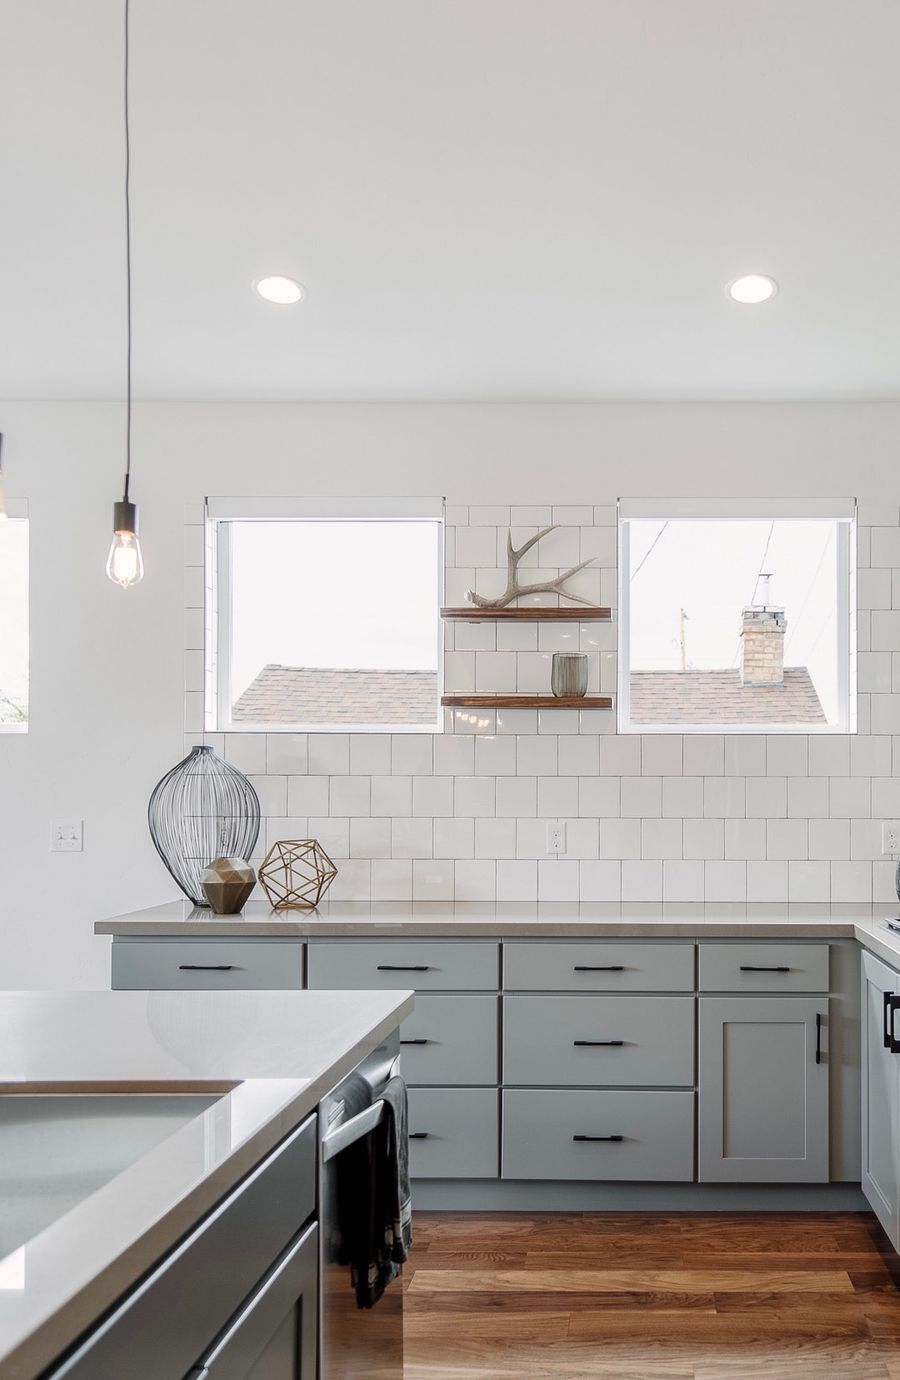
[106, 692]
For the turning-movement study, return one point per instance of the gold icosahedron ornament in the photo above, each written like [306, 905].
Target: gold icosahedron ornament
[296, 873]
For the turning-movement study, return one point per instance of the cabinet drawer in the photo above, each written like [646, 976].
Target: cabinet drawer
[166, 1322]
[424, 965]
[451, 1039]
[630, 1135]
[759, 967]
[598, 967]
[454, 1133]
[598, 1041]
[182, 965]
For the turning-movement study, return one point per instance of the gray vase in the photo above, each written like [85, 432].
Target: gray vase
[569, 676]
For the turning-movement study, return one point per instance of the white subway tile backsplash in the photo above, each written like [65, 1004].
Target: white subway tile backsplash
[620, 755]
[745, 838]
[885, 630]
[454, 838]
[459, 672]
[704, 755]
[533, 671]
[495, 838]
[391, 795]
[475, 795]
[579, 755]
[518, 637]
[495, 672]
[557, 796]
[885, 714]
[273, 794]
[307, 795]
[828, 839]
[474, 879]
[787, 754]
[516, 880]
[454, 755]
[851, 881]
[432, 879]
[875, 672]
[477, 546]
[350, 795]
[661, 838]
[886, 797]
[641, 881]
[787, 839]
[495, 755]
[558, 720]
[885, 546]
[870, 755]
[353, 881]
[704, 838]
[682, 796]
[329, 754]
[370, 838]
[474, 637]
[808, 797]
[287, 754]
[411, 838]
[850, 797]
[865, 839]
[873, 589]
[884, 888]
[620, 838]
[683, 881]
[432, 795]
[829, 756]
[516, 796]
[661, 754]
[247, 752]
[334, 836]
[600, 881]
[598, 796]
[641, 796]
[766, 797]
[557, 880]
[745, 755]
[537, 754]
[724, 797]
[489, 515]
[517, 721]
[767, 881]
[391, 880]
[582, 838]
[726, 881]
[411, 754]
[370, 754]
[809, 881]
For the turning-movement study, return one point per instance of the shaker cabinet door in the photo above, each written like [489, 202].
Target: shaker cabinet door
[763, 1080]
[880, 1149]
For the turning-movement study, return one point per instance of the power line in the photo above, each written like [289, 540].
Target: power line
[808, 593]
[649, 549]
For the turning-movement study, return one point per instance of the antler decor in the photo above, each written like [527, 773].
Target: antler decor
[515, 591]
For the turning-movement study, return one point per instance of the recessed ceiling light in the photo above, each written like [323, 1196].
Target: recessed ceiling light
[753, 289]
[276, 288]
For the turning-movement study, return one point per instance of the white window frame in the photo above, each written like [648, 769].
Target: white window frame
[17, 508]
[219, 514]
[842, 511]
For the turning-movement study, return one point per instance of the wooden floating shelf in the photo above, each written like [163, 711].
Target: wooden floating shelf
[527, 701]
[471, 614]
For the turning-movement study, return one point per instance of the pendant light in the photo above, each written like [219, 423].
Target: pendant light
[125, 564]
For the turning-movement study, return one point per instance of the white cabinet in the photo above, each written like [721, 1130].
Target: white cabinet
[880, 1084]
[763, 1090]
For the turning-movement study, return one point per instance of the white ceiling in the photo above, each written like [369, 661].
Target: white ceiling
[486, 199]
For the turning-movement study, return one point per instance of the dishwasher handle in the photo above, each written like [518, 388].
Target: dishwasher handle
[353, 1130]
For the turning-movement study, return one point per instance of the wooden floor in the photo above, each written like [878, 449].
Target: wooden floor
[684, 1297]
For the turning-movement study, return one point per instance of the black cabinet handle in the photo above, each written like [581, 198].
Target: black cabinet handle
[403, 968]
[616, 1044]
[754, 968]
[616, 1138]
[818, 1038]
[599, 968]
[419, 1135]
[419, 1040]
[206, 967]
[891, 1003]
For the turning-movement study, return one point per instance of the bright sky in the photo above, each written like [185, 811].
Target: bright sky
[709, 569]
[344, 594]
[13, 618]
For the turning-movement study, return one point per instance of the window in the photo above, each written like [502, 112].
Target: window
[14, 620]
[736, 616]
[327, 614]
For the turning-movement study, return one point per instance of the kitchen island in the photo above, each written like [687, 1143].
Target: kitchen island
[248, 1071]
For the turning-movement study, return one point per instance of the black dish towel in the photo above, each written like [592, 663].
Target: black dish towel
[374, 1198]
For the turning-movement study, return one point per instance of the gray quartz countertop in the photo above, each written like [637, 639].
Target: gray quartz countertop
[268, 1057]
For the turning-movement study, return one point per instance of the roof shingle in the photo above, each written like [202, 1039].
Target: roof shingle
[328, 695]
[718, 697]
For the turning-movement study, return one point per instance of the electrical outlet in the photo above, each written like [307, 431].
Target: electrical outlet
[890, 838]
[556, 838]
[66, 835]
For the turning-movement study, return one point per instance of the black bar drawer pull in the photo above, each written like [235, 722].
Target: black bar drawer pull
[206, 967]
[818, 1038]
[753, 968]
[580, 1044]
[887, 1011]
[419, 1040]
[403, 968]
[599, 968]
[419, 1135]
[615, 1138]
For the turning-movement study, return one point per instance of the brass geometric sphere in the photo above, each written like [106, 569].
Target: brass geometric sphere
[296, 873]
[226, 884]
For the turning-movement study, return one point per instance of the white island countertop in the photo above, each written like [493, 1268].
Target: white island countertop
[514, 920]
[267, 1056]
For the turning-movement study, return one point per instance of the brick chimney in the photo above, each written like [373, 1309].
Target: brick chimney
[762, 640]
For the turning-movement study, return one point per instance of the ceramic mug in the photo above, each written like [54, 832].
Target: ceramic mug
[569, 675]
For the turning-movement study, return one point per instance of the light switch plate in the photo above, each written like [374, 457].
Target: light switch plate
[66, 835]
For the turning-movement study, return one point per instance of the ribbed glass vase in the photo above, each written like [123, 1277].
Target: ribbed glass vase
[201, 810]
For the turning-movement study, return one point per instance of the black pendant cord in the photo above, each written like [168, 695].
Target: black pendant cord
[127, 262]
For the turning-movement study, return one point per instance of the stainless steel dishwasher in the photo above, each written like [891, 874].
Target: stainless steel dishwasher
[354, 1343]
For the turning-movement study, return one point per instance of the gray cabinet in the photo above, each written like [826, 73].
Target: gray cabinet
[880, 1101]
[453, 1133]
[207, 965]
[763, 1090]
[450, 1039]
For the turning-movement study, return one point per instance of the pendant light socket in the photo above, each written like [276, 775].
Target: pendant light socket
[125, 517]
